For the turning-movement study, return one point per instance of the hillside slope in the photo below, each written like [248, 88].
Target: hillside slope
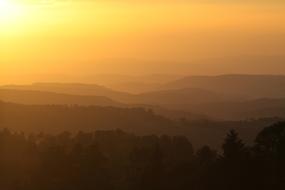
[249, 86]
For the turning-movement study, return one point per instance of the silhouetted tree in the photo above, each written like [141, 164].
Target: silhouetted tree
[270, 156]
[271, 141]
[206, 156]
[233, 148]
[109, 160]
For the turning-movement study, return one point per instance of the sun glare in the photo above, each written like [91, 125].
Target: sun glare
[10, 12]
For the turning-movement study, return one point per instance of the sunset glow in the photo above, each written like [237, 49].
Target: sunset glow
[142, 94]
[124, 37]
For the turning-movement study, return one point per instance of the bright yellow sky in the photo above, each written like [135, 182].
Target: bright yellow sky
[91, 37]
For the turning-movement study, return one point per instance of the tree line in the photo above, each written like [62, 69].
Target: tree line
[107, 160]
[53, 119]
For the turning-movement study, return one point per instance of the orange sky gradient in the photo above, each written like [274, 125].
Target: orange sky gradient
[139, 37]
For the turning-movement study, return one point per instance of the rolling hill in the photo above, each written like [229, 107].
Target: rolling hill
[54, 119]
[222, 97]
[187, 96]
[159, 97]
[40, 97]
[244, 86]
[73, 88]
[32, 97]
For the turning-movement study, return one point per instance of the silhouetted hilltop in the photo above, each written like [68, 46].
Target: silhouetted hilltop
[107, 79]
[136, 87]
[59, 118]
[225, 97]
[39, 97]
[157, 97]
[187, 96]
[236, 110]
[135, 84]
[178, 96]
[55, 98]
[215, 105]
[188, 103]
[247, 86]
[74, 89]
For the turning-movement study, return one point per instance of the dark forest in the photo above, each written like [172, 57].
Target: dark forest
[114, 159]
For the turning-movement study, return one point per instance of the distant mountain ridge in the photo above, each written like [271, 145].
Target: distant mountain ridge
[70, 88]
[250, 86]
[158, 97]
[59, 118]
[219, 97]
[33, 97]
[186, 96]
[53, 98]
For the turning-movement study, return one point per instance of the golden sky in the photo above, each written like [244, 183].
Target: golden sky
[140, 37]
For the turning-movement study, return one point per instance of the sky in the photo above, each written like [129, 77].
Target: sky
[88, 37]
